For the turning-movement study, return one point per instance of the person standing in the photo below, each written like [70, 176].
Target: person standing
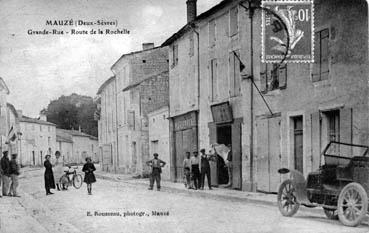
[5, 167]
[49, 176]
[187, 170]
[90, 178]
[195, 170]
[156, 165]
[205, 169]
[229, 166]
[59, 172]
[14, 173]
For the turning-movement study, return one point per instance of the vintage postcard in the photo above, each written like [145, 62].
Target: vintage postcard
[184, 116]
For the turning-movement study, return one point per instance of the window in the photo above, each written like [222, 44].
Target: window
[155, 146]
[212, 37]
[48, 141]
[233, 21]
[175, 55]
[234, 74]
[320, 66]
[192, 45]
[40, 128]
[213, 79]
[333, 120]
[48, 128]
[272, 76]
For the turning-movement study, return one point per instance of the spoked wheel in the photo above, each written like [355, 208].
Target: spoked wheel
[77, 181]
[331, 213]
[287, 202]
[64, 180]
[352, 204]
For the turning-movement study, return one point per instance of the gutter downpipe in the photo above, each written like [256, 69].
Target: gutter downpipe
[198, 83]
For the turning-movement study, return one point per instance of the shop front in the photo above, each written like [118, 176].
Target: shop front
[225, 129]
[184, 139]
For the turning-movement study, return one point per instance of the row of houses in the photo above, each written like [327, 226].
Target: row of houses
[209, 100]
[33, 138]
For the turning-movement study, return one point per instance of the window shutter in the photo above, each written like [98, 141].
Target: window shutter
[231, 74]
[346, 130]
[324, 53]
[315, 76]
[237, 76]
[282, 76]
[315, 143]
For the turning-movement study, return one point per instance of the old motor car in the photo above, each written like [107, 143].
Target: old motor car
[340, 185]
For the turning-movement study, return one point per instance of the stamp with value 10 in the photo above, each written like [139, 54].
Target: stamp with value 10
[287, 31]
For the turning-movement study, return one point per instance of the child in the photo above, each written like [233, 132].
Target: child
[89, 169]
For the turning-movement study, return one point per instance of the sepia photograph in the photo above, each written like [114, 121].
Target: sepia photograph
[184, 116]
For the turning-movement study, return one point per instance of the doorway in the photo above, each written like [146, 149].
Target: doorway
[224, 136]
[298, 143]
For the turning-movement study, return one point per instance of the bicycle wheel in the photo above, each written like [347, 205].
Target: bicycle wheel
[77, 181]
[64, 180]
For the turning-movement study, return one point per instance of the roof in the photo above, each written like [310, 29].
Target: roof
[72, 132]
[12, 108]
[133, 85]
[34, 120]
[191, 24]
[101, 88]
[133, 53]
[63, 138]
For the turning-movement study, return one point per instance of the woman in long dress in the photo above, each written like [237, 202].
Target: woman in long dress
[88, 169]
[59, 172]
[49, 176]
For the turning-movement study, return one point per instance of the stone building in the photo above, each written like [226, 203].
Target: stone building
[311, 104]
[125, 102]
[38, 139]
[75, 146]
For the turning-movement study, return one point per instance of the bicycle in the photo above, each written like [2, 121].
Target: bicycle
[76, 179]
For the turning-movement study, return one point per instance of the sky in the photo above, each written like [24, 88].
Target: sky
[40, 68]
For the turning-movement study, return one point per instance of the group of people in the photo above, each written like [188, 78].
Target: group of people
[52, 182]
[195, 169]
[9, 172]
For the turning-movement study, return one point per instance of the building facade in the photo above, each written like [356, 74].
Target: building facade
[38, 139]
[213, 100]
[124, 106]
[159, 137]
[75, 146]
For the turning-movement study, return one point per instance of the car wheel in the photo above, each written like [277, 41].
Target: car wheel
[287, 201]
[331, 213]
[352, 204]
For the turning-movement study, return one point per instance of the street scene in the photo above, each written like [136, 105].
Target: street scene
[184, 116]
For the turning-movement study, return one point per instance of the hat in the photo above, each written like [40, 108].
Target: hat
[5, 153]
[14, 155]
[57, 153]
[47, 156]
[156, 155]
[195, 151]
[202, 150]
[88, 158]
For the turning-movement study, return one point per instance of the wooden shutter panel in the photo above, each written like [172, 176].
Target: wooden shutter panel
[236, 155]
[282, 76]
[316, 65]
[213, 165]
[315, 135]
[346, 130]
[231, 74]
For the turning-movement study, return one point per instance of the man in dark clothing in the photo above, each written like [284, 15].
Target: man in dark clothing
[5, 167]
[156, 165]
[14, 173]
[205, 168]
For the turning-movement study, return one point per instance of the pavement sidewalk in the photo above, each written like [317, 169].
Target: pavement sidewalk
[216, 193]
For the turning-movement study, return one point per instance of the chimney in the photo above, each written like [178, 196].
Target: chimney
[43, 117]
[191, 10]
[146, 46]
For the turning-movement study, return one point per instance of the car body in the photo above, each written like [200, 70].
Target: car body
[340, 185]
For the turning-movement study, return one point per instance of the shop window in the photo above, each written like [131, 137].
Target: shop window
[212, 37]
[320, 66]
[213, 79]
[233, 21]
[234, 76]
[272, 77]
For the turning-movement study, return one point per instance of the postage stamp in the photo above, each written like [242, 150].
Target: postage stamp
[287, 31]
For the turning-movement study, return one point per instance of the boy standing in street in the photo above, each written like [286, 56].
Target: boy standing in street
[156, 165]
[187, 170]
[5, 167]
